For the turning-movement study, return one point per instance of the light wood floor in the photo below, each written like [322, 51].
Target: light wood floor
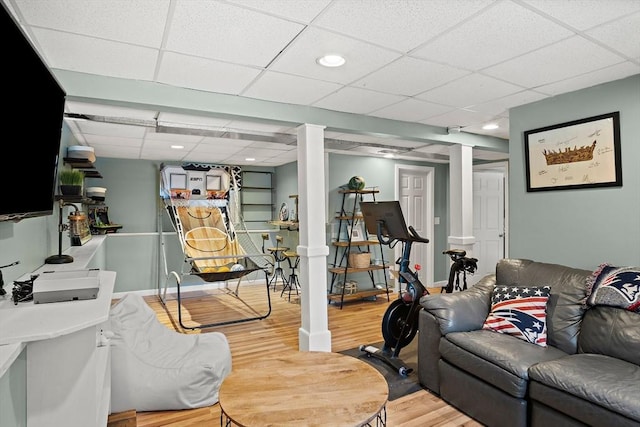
[357, 323]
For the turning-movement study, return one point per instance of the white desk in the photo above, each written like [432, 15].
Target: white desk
[68, 371]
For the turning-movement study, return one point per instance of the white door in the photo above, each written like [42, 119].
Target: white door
[414, 191]
[488, 221]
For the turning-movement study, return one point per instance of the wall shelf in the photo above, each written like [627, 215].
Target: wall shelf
[84, 165]
[256, 196]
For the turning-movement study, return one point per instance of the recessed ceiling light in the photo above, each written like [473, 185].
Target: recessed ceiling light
[177, 147]
[490, 126]
[250, 159]
[331, 60]
[389, 156]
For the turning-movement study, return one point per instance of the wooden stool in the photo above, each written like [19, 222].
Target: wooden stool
[293, 259]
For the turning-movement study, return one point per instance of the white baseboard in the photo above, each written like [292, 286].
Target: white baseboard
[205, 286]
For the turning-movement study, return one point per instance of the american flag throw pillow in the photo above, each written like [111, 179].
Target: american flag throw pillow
[520, 311]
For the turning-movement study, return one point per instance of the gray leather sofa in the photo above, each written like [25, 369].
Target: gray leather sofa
[588, 374]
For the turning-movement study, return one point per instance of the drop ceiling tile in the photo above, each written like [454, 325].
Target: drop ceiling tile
[232, 144]
[289, 89]
[554, 63]
[500, 105]
[160, 145]
[96, 56]
[204, 74]
[161, 155]
[397, 24]
[177, 138]
[112, 141]
[200, 157]
[116, 151]
[501, 132]
[356, 100]
[300, 57]
[459, 116]
[258, 152]
[219, 150]
[469, 90]
[303, 11]
[584, 14]
[608, 74]
[229, 33]
[622, 35]
[139, 22]
[411, 110]
[409, 76]
[501, 32]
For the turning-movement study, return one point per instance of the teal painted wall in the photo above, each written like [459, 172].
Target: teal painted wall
[585, 227]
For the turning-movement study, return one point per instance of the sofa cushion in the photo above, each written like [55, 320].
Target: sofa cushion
[499, 359]
[611, 331]
[520, 312]
[615, 286]
[602, 380]
[568, 292]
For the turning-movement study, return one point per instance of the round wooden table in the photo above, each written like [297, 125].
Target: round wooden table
[304, 389]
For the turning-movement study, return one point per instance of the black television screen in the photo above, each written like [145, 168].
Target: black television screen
[35, 113]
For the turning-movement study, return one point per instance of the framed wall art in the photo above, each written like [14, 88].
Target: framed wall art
[579, 154]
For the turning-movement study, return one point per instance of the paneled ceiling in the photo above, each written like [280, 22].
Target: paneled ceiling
[449, 65]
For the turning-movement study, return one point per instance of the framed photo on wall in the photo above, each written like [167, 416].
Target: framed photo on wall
[583, 153]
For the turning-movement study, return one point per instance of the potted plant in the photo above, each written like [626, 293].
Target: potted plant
[71, 181]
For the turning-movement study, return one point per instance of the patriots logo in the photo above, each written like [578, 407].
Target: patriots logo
[626, 282]
[617, 287]
[529, 326]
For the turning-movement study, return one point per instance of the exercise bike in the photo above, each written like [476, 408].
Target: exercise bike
[400, 321]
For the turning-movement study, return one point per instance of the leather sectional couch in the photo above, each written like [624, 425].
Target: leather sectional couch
[586, 372]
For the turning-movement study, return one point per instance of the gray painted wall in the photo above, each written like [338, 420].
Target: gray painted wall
[585, 227]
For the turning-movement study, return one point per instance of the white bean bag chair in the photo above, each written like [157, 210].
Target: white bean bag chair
[154, 368]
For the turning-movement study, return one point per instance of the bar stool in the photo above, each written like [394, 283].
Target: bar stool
[278, 254]
[293, 283]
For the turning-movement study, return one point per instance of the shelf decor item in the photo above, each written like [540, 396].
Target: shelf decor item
[356, 183]
[71, 181]
[359, 259]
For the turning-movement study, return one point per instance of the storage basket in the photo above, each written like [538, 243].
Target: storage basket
[359, 260]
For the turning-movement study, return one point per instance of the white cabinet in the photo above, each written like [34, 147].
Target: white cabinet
[68, 365]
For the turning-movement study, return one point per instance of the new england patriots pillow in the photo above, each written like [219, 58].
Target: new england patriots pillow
[615, 286]
[520, 311]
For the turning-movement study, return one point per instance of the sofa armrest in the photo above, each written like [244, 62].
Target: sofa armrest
[428, 352]
[461, 311]
[444, 313]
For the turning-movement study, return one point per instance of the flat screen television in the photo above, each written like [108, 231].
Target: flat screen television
[34, 113]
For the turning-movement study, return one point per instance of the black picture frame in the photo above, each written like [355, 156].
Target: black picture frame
[579, 154]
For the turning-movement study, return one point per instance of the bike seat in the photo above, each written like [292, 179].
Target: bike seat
[455, 253]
